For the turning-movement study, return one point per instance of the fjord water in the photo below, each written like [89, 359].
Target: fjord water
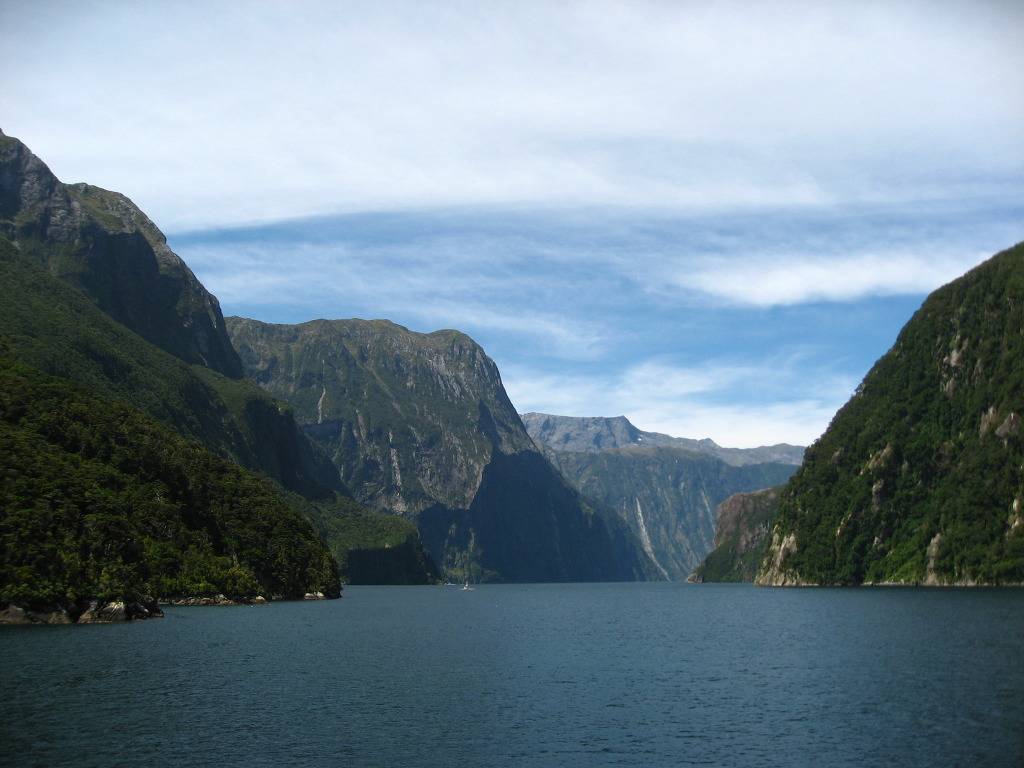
[531, 675]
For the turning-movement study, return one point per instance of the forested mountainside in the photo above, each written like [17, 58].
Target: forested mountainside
[101, 502]
[920, 476]
[420, 426]
[54, 327]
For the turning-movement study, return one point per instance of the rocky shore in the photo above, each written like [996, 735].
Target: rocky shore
[112, 611]
[82, 612]
[215, 600]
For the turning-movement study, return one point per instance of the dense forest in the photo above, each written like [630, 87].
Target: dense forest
[101, 501]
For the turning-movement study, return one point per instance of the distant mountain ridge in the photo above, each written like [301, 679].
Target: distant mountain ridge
[419, 425]
[601, 433]
[665, 489]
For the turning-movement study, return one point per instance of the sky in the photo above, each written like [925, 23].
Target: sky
[710, 217]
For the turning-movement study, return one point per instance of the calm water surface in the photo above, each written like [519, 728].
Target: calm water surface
[539, 675]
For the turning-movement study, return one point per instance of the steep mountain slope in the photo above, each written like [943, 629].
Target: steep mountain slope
[598, 433]
[744, 522]
[101, 243]
[420, 425]
[919, 477]
[666, 495]
[86, 274]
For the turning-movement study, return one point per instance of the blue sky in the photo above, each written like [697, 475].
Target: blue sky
[712, 218]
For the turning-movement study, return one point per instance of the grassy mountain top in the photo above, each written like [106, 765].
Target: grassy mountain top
[410, 419]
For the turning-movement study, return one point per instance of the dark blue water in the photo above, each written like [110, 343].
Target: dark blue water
[577, 675]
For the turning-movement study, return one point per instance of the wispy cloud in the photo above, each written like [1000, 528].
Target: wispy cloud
[785, 279]
[247, 112]
[428, 283]
[636, 207]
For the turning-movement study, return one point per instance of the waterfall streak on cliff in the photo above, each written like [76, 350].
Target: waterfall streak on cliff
[645, 539]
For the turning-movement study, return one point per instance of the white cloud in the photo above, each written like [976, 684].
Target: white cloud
[214, 113]
[786, 280]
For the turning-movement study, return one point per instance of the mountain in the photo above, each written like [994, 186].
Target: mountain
[93, 297]
[420, 426]
[744, 522]
[88, 298]
[918, 478]
[599, 433]
[101, 243]
[54, 327]
[663, 489]
[667, 496]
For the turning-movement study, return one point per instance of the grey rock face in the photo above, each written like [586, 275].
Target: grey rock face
[420, 426]
[666, 495]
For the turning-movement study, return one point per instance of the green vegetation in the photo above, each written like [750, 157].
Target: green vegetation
[97, 500]
[51, 326]
[920, 477]
[741, 537]
[95, 299]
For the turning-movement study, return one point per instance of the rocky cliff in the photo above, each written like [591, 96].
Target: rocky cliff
[918, 479]
[744, 522]
[420, 426]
